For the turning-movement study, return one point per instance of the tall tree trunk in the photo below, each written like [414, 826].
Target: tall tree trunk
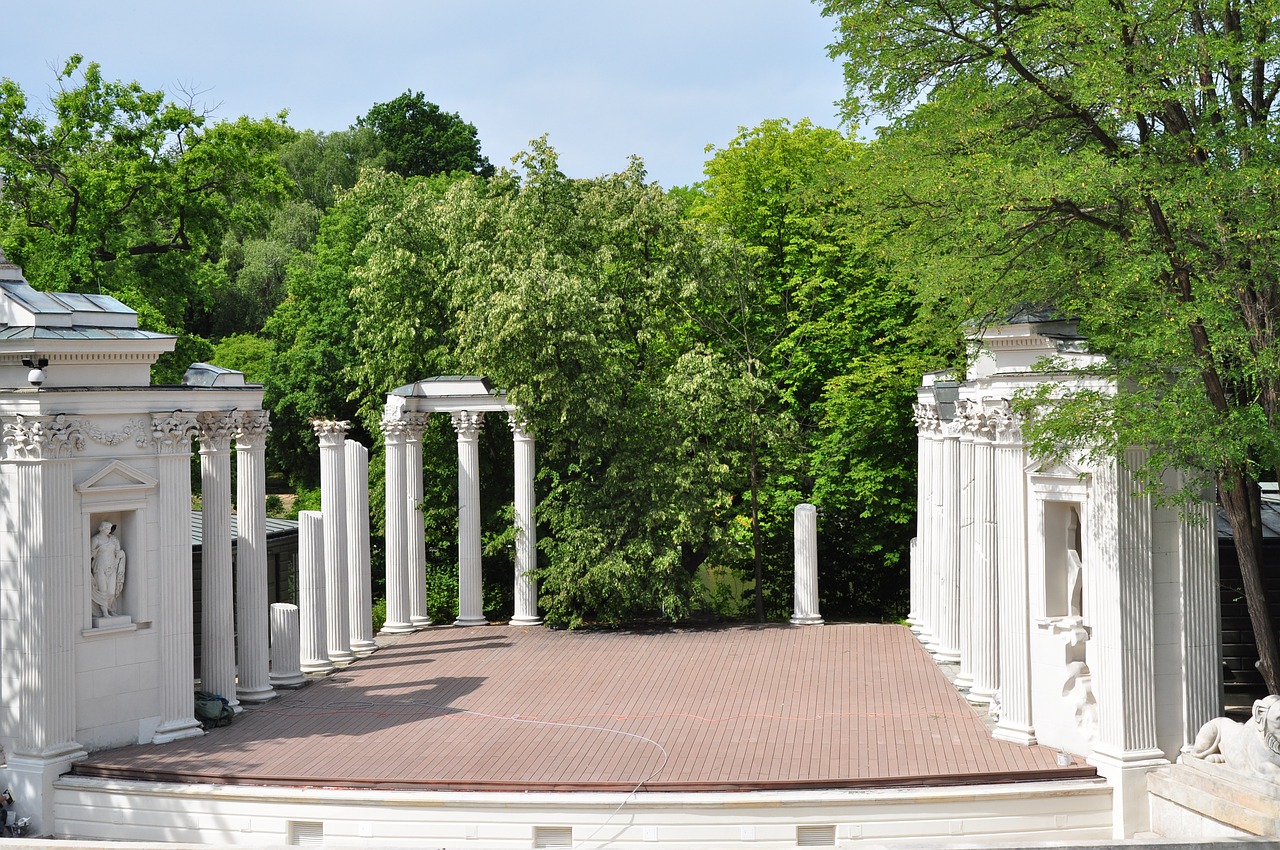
[1242, 501]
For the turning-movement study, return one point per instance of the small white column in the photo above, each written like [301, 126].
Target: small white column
[252, 630]
[172, 435]
[948, 547]
[984, 626]
[1015, 723]
[360, 611]
[217, 616]
[526, 589]
[927, 533]
[332, 434]
[915, 616]
[313, 638]
[286, 654]
[470, 603]
[805, 525]
[415, 424]
[394, 430]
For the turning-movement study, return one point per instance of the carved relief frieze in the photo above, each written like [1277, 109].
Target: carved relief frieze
[133, 428]
[42, 437]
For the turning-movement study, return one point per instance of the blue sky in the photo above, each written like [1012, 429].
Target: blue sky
[661, 79]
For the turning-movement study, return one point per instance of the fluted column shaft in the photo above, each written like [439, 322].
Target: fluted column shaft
[805, 529]
[927, 523]
[948, 551]
[915, 617]
[968, 423]
[416, 531]
[1011, 564]
[332, 435]
[217, 616]
[313, 638]
[359, 586]
[172, 436]
[286, 652]
[470, 602]
[984, 624]
[1201, 617]
[398, 579]
[526, 589]
[253, 634]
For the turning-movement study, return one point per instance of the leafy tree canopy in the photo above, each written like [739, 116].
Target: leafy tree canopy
[421, 139]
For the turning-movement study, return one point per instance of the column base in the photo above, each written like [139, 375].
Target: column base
[946, 655]
[981, 696]
[1015, 734]
[471, 621]
[30, 779]
[289, 681]
[257, 695]
[317, 667]
[1126, 773]
[525, 621]
[187, 727]
[363, 648]
[419, 623]
[963, 681]
[807, 620]
[341, 659]
[396, 629]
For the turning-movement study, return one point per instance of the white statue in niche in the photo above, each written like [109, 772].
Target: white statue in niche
[107, 560]
[1252, 748]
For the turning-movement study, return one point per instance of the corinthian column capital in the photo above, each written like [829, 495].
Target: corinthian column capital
[468, 423]
[253, 428]
[217, 427]
[331, 432]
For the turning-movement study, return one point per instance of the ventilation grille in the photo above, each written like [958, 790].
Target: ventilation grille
[815, 836]
[306, 833]
[553, 836]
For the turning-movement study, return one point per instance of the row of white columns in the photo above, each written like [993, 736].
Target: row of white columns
[406, 547]
[968, 570]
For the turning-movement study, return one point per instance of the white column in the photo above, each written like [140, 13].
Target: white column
[398, 581]
[418, 616]
[252, 631]
[217, 616]
[41, 629]
[805, 529]
[915, 616]
[313, 638]
[1201, 616]
[172, 435]
[948, 547]
[286, 653]
[526, 590]
[360, 590]
[1011, 567]
[927, 522]
[966, 414]
[984, 639]
[332, 434]
[470, 603]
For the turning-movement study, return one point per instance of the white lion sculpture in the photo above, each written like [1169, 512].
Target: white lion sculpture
[1251, 748]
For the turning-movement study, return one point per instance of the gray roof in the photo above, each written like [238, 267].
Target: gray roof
[76, 332]
[61, 302]
[275, 527]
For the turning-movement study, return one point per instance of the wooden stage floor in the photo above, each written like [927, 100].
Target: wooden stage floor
[505, 708]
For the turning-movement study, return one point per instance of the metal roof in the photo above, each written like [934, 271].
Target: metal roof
[76, 332]
[275, 527]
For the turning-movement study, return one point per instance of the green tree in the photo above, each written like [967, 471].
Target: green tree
[421, 139]
[119, 191]
[1117, 161]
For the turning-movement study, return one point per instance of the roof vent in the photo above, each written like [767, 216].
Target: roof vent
[208, 375]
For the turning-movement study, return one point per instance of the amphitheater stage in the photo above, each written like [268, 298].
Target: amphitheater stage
[696, 737]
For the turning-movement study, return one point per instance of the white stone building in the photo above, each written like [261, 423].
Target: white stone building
[95, 547]
[1083, 613]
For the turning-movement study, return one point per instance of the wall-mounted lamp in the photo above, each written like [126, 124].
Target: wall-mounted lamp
[36, 376]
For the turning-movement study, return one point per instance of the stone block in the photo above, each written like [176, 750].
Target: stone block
[1212, 791]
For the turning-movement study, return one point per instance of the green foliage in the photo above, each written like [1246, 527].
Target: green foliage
[245, 353]
[420, 139]
[379, 614]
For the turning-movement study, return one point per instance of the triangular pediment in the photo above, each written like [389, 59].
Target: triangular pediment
[117, 477]
[1056, 469]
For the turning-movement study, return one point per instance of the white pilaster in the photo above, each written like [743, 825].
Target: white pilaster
[526, 589]
[805, 530]
[1011, 568]
[398, 582]
[470, 603]
[286, 653]
[217, 617]
[313, 632]
[172, 435]
[948, 547]
[416, 533]
[360, 592]
[332, 434]
[1201, 617]
[966, 415]
[252, 631]
[984, 639]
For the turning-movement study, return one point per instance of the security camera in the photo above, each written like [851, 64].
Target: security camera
[36, 376]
